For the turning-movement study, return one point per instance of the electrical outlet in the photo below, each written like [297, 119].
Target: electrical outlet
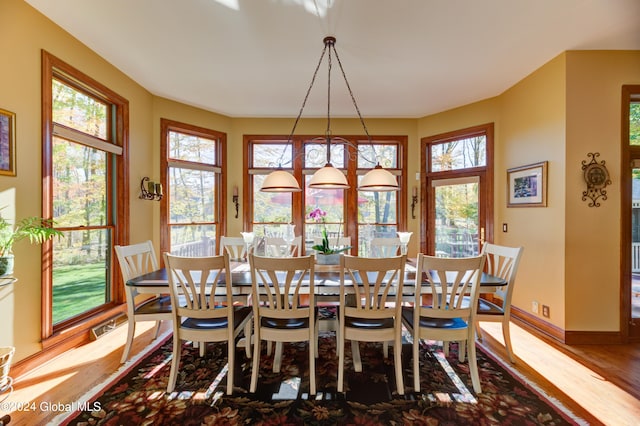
[534, 307]
[505, 227]
[545, 311]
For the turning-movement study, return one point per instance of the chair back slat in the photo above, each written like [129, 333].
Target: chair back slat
[193, 282]
[451, 280]
[278, 247]
[503, 261]
[377, 283]
[279, 283]
[136, 259]
[235, 246]
[385, 247]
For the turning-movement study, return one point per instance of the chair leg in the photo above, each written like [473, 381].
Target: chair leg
[256, 362]
[317, 339]
[157, 330]
[462, 350]
[313, 350]
[131, 331]
[247, 339]
[202, 349]
[478, 330]
[231, 364]
[385, 349]
[473, 366]
[507, 340]
[397, 360]
[277, 358]
[355, 356]
[416, 362]
[175, 363]
[340, 337]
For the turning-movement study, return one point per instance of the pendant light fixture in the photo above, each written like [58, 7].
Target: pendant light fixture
[328, 177]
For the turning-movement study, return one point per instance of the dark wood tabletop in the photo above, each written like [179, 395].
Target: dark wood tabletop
[327, 280]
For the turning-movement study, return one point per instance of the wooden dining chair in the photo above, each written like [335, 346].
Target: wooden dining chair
[454, 284]
[278, 247]
[235, 246]
[373, 314]
[278, 314]
[385, 247]
[200, 314]
[502, 262]
[136, 260]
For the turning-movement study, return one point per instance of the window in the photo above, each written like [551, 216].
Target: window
[194, 179]
[82, 157]
[458, 170]
[360, 215]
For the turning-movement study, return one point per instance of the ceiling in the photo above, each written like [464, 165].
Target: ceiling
[402, 58]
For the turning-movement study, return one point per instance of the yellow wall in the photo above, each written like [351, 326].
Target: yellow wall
[592, 279]
[568, 107]
[25, 32]
[528, 128]
[532, 129]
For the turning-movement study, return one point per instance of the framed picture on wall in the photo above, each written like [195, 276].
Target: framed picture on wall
[527, 185]
[7, 143]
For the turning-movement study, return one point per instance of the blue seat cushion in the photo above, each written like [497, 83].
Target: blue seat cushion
[158, 305]
[428, 322]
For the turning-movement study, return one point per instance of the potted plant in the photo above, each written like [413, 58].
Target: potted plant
[326, 254]
[36, 229]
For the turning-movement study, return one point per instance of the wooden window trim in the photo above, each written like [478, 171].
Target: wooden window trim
[54, 67]
[351, 207]
[166, 126]
[426, 207]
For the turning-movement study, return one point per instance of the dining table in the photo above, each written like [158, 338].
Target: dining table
[326, 282]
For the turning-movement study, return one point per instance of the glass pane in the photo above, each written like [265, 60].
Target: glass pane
[377, 207]
[635, 244]
[272, 155]
[79, 184]
[634, 123]
[315, 155]
[456, 230]
[193, 240]
[192, 148]
[387, 155]
[459, 154]
[192, 195]
[80, 272]
[270, 206]
[79, 111]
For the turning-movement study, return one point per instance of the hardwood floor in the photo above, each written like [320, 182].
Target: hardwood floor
[600, 384]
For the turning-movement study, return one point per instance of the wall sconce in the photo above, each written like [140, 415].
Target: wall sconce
[596, 176]
[235, 199]
[414, 201]
[150, 190]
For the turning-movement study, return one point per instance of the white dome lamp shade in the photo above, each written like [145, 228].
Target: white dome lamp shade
[328, 177]
[280, 181]
[378, 180]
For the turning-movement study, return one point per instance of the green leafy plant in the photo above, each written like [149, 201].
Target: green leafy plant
[36, 229]
[318, 215]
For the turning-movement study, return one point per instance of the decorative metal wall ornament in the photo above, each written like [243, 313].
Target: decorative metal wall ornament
[596, 177]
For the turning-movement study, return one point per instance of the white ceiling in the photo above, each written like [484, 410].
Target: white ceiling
[403, 58]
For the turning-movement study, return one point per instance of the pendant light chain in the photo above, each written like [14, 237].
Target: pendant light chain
[328, 177]
[306, 96]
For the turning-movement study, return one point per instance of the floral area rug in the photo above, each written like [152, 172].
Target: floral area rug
[446, 397]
